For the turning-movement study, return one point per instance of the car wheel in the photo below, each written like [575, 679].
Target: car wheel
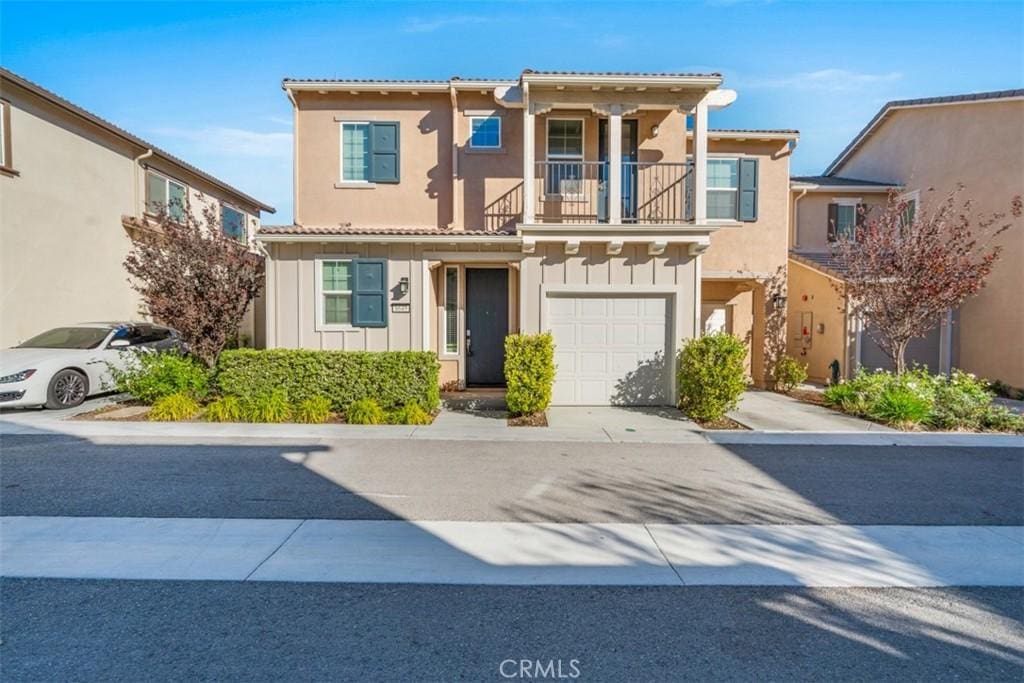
[67, 389]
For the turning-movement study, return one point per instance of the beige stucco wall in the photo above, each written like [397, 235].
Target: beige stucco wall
[62, 242]
[980, 145]
[421, 199]
[811, 292]
[810, 214]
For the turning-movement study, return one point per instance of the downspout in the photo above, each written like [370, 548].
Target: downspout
[295, 156]
[456, 221]
[136, 164]
[796, 219]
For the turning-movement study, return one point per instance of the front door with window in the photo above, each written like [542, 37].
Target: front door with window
[486, 325]
[629, 167]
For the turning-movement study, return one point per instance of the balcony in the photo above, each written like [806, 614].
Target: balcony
[578, 192]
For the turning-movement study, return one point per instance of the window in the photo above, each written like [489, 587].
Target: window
[846, 220]
[910, 210]
[723, 184]
[336, 292]
[565, 151]
[844, 215]
[451, 309]
[485, 132]
[164, 194]
[355, 152]
[232, 222]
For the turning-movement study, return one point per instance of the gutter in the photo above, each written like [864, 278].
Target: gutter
[796, 219]
[136, 164]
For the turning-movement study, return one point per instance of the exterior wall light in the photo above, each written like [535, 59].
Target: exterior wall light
[654, 130]
[779, 302]
[403, 286]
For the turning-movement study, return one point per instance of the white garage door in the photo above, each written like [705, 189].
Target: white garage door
[610, 349]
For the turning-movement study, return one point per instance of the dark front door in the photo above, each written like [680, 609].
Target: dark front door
[486, 325]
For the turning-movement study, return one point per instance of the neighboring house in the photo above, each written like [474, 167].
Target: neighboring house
[72, 187]
[920, 149]
[443, 215]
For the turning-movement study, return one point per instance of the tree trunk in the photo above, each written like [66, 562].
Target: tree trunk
[900, 351]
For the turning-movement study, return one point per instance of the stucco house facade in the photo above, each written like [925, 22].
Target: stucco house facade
[72, 187]
[444, 215]
[920, 149]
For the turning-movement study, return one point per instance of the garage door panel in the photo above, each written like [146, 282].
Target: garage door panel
[610, 349]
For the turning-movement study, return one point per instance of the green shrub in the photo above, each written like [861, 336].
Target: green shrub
[846, 397]
[901, 406]
[313, 410]
[225, 409]
[409, 414]
[365, 411]
[789, 374]
[711, 376]
[271, 407]
[393, 378]
[152, 376]
[1001, 419]
[174, 408]
[529, 372]
[960, 401]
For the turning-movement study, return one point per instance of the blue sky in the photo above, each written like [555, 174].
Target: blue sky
[202, 80]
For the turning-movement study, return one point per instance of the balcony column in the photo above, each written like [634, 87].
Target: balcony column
[529, 167]
[615, 164]
[700, 162]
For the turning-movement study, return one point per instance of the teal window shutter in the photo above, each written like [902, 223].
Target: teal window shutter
[748, 190]
[369, 292]
[384, 153]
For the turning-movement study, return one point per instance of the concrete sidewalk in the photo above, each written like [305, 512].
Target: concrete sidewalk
[771, 411]
[502, 553]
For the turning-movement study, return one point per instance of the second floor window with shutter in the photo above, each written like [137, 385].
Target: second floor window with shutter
[723, 184]
[355, 152]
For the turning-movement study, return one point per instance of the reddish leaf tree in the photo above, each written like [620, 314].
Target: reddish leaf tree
[194, 278]
[907, 266]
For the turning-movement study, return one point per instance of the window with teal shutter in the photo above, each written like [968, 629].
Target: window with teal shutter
[370, 152]
[337, 292]
[748, 190]
[369, 292]
[384, 162]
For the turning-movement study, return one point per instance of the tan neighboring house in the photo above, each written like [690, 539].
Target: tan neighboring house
[72, 186]
[920, 149]
[444, 215]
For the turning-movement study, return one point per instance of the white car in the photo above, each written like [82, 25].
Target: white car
[61, 367]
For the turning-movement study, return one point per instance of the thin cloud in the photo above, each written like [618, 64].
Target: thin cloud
[234, 141]
[828, 80]
[418, 25]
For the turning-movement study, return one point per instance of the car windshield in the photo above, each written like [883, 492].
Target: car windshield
[67, 338]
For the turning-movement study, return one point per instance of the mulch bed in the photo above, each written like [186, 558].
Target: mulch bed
[97, 414]
[808, 396]
[724, 423]
[535, 420]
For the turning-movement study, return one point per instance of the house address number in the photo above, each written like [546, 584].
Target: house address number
[400, 308]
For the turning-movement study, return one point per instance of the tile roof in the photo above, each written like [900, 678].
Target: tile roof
[56, 99]
[425, 81]
[370, 231]
[821, 261]
[622, 73]
[897, 104]
[839, 181]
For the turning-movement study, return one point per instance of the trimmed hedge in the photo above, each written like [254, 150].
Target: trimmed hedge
[711, 376]
[529, 372]
[391, 378]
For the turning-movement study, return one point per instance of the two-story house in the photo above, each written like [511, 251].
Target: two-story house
[921, 149]
[72, 188]
[444, 215]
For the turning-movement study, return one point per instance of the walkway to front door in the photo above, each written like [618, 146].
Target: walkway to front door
[486, 325]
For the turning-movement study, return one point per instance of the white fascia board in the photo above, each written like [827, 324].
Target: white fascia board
[750, 136]
[379, 239]
[365, 86]
[842, 189]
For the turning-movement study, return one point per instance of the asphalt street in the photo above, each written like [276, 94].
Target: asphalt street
[168, 631]
[534, 482]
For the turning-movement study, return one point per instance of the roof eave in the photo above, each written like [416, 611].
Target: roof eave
[623, 80]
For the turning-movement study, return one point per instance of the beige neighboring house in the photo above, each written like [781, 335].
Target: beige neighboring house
[920, 149]
[72, 186]
[444, 215]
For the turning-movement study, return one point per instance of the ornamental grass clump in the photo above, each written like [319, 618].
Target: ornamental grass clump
[711, 376]
[273, 407]
[225, 409]
[410, 414]
[365, 411]
[313, 410]
[174, 408]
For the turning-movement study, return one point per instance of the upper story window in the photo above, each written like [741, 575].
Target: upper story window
[485, 132]
[355, 152]
[164, 194]
[565, 138]
[369, 152]
[723, 186]
[232, 222]
[5, 135]
[844, 215]
[910, 201]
